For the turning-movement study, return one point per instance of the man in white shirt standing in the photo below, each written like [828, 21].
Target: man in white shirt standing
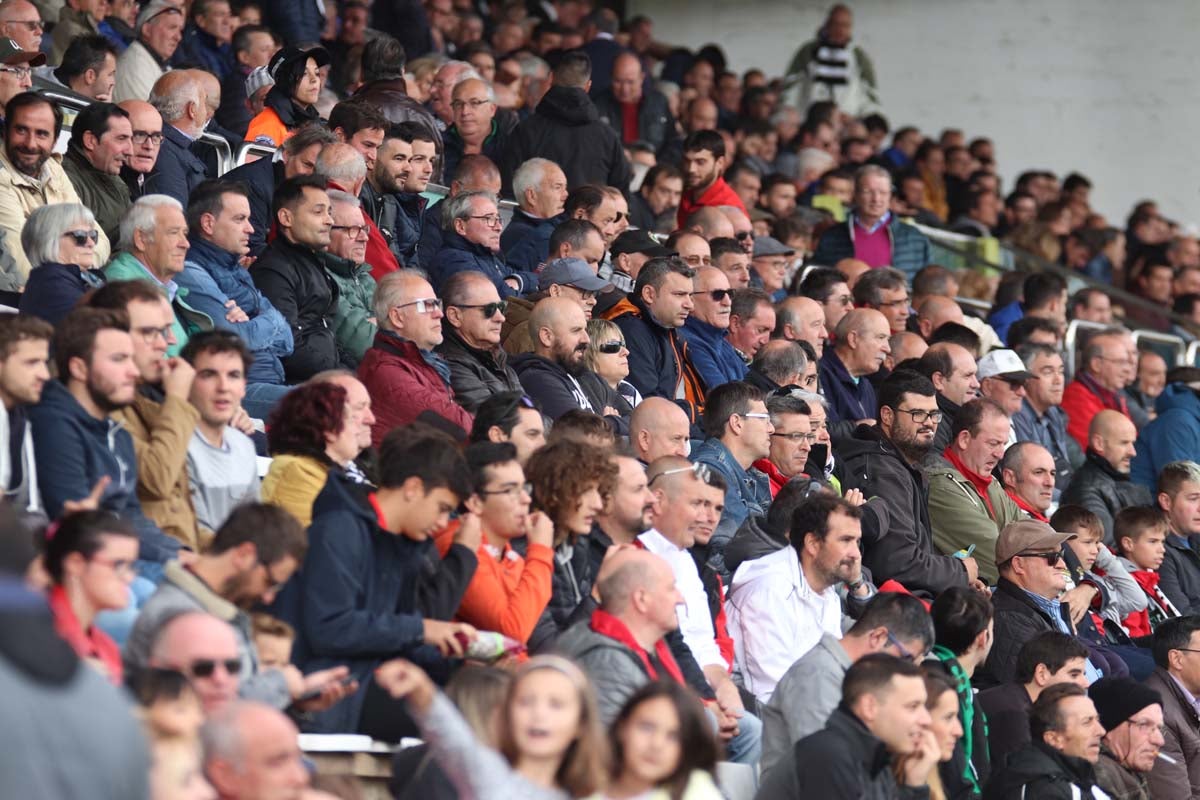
[780, 605]
[681, 502]
[221, 461]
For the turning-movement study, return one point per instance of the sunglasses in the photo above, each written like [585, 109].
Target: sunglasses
[80, 237]
[205, 667]
[611, 348]
[489, 309]
[1051, 558]
[742, 236]
[699, 469]
[426, 305]
[718, 295]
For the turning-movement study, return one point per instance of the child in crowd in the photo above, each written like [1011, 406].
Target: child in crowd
[273, 640]
[169, 706]
[1091, 564]
[176, 772]
[1141, 534]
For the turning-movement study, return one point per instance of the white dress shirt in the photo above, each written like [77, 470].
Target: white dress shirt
[695, 619]
[775, 617]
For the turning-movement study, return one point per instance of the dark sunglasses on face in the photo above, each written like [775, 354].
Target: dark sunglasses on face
[81, 237]
[742, 236]
[205, 667]
[718, 295]
[610, 348]
[489, 309]
[1051, 558]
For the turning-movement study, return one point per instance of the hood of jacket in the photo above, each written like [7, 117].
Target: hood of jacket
[531, 362]
[633, 305]
[753, 540]
[1101, 465]
[343, 494]
[701, 330]
[1040, 761]
[867, 442]
[568, 105]
[211, 257]
[1179, 396]
[453, 346]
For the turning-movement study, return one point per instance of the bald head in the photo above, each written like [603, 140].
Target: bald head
[659, 428]
[211, 86]
[906, 345]
[145, 121]
[710, 223]
[1111, 435]
[192, 639]
[800, 318]
[476, 173]
[862, 341]
[252, 750]
[558, 327]
[634, 572]
[853, 269]
[935, 312]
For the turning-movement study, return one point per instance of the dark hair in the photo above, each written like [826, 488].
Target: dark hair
[971, 415]
[869, 288]
[303, 418]
[574, 69]
[1134, 522]
[902, 382]
[957, 333]
[117, 295]
[150, 685]
[501, 410]
[16, 328]
[935, 361]
[82, 532]
[1041, 288]
[747, 301]
[82, 54]
[586, 198]
[960, 614]
[1052, 648]
[242, 36]
[216, 342]
[658, 172]
[812, 517]
[1020, 332]
[383, 58]
[574, 232]
[654, 273]
[354, 115]
[410, 132]
[209, 198]
[581, 425]
[1045, 715]
[75, 336]
[94, 120]
[561, 472]
[711, 141]
[290, 193]
[1184, 303]
[28, 100]
[902, 614]
[876, 123]
[420, 451]
[698, 749]
[274, 533]
[784, 505]
[874, 672]
[1075, 181]
[481, 456]
[819, 283]
[1069, 518]
[726, 400]
[1173, 634]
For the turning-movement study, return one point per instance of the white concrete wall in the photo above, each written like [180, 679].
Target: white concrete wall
[1107, 87]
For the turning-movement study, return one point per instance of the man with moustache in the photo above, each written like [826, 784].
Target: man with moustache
[550, 373]
[707, 329]
[24, 370]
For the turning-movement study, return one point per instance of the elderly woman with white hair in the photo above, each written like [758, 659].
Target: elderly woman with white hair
[60, 241]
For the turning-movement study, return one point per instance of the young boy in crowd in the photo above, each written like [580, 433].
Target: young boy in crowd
[1141, 534]
[1097, 577]
[273, 640]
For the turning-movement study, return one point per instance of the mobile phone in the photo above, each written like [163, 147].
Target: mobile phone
[313, 694]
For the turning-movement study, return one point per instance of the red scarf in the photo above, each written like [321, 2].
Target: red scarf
[980, 482]
[606, 624]
[1028, 509]
[1110, 399]
[777, 478]
[92, 643]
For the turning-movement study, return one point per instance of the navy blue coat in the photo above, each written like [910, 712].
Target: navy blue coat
[178, 170]
[53, 290]
[847, 401]
[74, 450]
[260, 178]
[526, 240]
[712, 355]
[458, 255]
[200, 49]
[299, 21]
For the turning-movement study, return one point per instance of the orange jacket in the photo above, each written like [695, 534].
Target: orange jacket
[267, 127]
[508, 594]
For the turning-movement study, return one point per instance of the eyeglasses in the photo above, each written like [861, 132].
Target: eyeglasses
[514, 489]
[459, 105]
[149, 333]
[353, 231]
[903, 301]
[697, 261]
[611, 348]
[491, 220]
[1051, 558]
[21, 72]
[426, 305]
[742, 236]
[205, 667]
[141, 137]
[716, 294]
[750, 415]
[842, 300]
[123, 568]
[905, 653]
[702, 472]
[31, 25]
[489, 309]
[81, 237]
[920, 415]
[1148, 726]
[274, 584]
[796, 438]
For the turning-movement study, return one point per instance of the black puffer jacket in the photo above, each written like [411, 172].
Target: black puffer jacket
[1039, 771]
[475, 375]
[1017, 619]
[905, 553]
[1102, 490]
[655, 123]
[570, 594]
[292, 277]
[567, 129]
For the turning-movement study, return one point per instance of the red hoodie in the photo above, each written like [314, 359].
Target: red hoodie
[719, 193]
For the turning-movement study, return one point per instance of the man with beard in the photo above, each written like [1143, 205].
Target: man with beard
[250, 559]
[402, 373]
[94, 353]
[707, 329]
[884, 460]
[550, 373]
[1102, 484]
[30, 178]
[24, 370]
[703, 163]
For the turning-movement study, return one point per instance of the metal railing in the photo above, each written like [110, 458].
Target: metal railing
[1170, 340]
[261, 150]
[1193, 350]
[1071, 342]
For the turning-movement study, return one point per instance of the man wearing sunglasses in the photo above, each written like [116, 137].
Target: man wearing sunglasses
[1032, 577]
[205, 649]
[474, 315]
[707, 329]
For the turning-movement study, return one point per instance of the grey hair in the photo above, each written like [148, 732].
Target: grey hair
[812, 398]
[531, 66]
[221, 736]
[529, 175]
[41, 237]
[338, 196]
[389, 293]
[173, 103]
[142, 217]
[491, 93]
[810, 159]
[868, 171]
[346, 170]
[782, 404]
[778, 363]
[459, 206]
[468, 72]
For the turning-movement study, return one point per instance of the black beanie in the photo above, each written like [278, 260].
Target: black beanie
[1118, 699]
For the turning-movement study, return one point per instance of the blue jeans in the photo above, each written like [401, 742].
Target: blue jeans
[746, 747]
[118, 624]
[262, 397]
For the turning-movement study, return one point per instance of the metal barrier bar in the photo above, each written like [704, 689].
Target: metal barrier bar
[224, 151]
[1171, 340]
[252, 147]
[1071, 339]
[1193, 350]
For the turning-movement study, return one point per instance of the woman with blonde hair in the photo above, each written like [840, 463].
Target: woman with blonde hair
[607, 361]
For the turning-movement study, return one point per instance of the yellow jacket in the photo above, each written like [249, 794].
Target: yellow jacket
[293, 483]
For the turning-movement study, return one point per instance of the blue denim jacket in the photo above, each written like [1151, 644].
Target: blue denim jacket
[748, 493]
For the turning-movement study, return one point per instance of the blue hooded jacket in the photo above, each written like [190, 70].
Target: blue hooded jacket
[74, 450]
[1173, 436]
[712, 355]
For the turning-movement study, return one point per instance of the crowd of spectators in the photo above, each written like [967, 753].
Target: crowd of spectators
[563, 399]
